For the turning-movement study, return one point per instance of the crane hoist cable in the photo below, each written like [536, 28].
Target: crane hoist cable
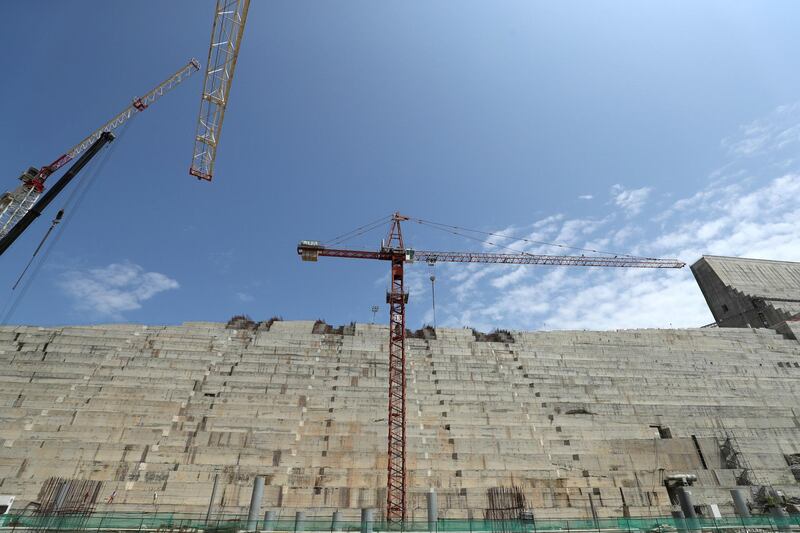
[53, 225]
[15, 204]
[530, 241]
[72, 205]
[33, 213]
[452, 229]
[349, 234]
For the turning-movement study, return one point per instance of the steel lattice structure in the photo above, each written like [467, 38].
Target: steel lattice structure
[14, 204]
[395, 251]
[492, 258]
[396, 298]
[230, 17]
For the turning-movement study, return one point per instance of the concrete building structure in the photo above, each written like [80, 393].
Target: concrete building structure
[584, 423]
[564, 415]
[751, 293]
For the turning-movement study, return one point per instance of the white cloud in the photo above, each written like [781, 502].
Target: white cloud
[744, 210]
[585, 197]
[775, 132]
[509, 279]
[244, 297]
[572, 230]
[114, 289]
[631, 200]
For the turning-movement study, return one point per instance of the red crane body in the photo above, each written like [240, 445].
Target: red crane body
[393, 250]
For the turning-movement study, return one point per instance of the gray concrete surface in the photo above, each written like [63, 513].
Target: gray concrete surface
[749, 292]
[162, 409]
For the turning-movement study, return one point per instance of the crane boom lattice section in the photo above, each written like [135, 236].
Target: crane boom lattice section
[14, 204]
[139, 104]
[532, 259]
[396, 297]
[230, 17]
[308, 250]
[396, 478]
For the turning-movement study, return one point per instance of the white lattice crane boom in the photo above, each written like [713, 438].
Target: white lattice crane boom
[230, 17]
[14, 204]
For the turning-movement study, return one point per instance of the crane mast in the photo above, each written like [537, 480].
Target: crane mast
[397, 298]
[397, 254]
[230, 17]
[15, 204]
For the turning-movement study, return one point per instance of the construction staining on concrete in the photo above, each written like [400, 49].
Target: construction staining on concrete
[749, 293]
[561, 415]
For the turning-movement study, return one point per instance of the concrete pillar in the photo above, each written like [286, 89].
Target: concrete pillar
[213, 497]
[687, 505]
[255, 503]
[269, 521]
[781, 518]
[299, 520]
[366, 520]
[680, 523]
[336, 521]
[740, 502]
[433, 510]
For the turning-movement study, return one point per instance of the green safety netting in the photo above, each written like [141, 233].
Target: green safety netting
[223, 523]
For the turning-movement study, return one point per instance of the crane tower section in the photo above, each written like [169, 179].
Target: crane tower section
[230, 17]
[14, 204]
[393, 249]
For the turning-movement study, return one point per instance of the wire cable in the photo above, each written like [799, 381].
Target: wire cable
[482, 241]
[358, 231]
[376, 226]
[530, 241]
[53, 225]
[74, 201]
[349, 234]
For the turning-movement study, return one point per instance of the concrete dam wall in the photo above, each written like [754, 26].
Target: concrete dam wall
[562, 415]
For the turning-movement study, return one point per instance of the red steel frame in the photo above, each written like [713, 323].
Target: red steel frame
[394, 250]
[396, 298]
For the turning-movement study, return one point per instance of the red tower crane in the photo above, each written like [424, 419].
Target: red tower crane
[394, 251]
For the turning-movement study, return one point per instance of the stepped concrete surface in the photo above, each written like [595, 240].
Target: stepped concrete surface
[563, 415]
[753, 293]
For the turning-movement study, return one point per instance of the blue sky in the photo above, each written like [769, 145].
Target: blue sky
[660, 128]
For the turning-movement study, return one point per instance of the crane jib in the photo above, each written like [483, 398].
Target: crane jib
[312, 250]
[392, 249]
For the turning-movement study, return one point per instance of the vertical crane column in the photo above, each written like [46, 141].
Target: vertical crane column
[393, 250]
[396, 482]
